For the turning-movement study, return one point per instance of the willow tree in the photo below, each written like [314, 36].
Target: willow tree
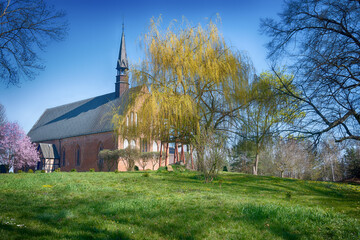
[269, 112]
[195, 79]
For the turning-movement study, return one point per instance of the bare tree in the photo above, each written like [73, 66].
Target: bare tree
[27, 26]
[293, 158]
[211, 152]
[322, 40]
[329, 160]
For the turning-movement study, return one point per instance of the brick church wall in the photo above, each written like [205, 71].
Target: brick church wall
[89, 149]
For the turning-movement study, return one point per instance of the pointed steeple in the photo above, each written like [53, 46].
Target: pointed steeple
[122, 62]
[122, 79]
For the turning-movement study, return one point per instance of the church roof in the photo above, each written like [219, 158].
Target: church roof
[84, 117]
[122, 62]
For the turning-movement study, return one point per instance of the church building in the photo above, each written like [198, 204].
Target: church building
[78, 131]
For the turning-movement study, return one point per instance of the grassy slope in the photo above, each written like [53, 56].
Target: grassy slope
[174, 206]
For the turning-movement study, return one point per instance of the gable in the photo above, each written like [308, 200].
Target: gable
[48, 151]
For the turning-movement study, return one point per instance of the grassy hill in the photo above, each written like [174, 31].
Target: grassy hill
[174, 205]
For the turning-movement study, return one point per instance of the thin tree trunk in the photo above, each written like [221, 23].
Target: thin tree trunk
[182, 153]
[191, 156]
[332, 170]
[256, 163]
[167, 154]
[160, 157]
[176, 155]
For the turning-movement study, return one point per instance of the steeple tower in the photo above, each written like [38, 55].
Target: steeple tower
[122, 79]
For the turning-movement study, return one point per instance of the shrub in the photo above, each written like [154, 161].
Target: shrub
[225, 169]
[19, 171]
[57, 170]
[136, 168]
[146, 174]
[30, 171]
[38, 171]
[162, 170]
[42, 171]
[73, 170]
[92, 170]
[110, 157]
[116, 171]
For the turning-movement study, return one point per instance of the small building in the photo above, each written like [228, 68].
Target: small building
[49, 157]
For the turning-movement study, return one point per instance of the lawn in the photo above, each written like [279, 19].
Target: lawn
[175, 205]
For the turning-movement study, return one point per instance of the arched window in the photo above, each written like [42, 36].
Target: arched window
[155, 147]
[63, 157]
[126, 143]
[136, 119]
[132, 118]
[127, 121]
[100, 160]
[77, 155]
[132, 144]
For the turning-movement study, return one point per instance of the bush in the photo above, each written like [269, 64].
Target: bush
[116, 171]
[30, 171]
[57, 170]
[179, 168]
[92, 170]
[162, 170]
[73, 170]
[19, 171]
[38, 171]
[136, 168]
[146, 174]
[225, 169]
[42, 171]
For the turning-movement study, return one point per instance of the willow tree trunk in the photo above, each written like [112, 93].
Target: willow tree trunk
[176, 154]
[167, 154]
[182, 154]
[191, 156]
[160, 156]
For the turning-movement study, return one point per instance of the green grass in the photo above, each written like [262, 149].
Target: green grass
[176, 205]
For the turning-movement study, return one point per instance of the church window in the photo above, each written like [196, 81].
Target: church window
[127, 121]
[126, 143]
[155, 147]
[63, 157]
[131, 118]
[77, 156]
[135, 119]
[132, 143]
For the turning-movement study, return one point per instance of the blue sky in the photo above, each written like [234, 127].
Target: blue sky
[83, 65]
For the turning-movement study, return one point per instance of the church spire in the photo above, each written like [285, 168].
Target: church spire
[122, 62]
[122, 79]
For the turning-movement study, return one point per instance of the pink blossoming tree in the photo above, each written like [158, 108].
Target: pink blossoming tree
[16, 149]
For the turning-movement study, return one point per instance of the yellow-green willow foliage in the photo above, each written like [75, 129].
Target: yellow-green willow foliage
[270, 111]
[184, 67]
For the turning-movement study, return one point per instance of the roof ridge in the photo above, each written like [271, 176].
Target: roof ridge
[78, 101]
